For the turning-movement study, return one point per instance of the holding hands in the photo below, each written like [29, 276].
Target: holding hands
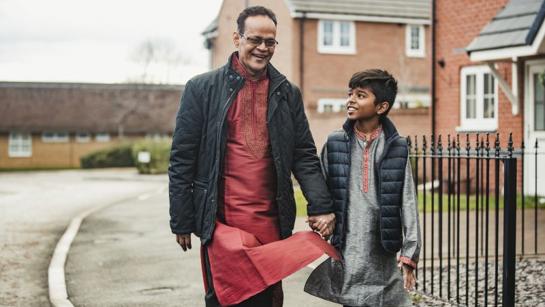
[323, 224]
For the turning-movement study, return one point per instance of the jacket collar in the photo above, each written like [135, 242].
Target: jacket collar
[387, 126]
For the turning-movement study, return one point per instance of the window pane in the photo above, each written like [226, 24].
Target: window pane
[345, 33]
[539, 104]
[471, 90]
[415, 37]
[20, 144]
[328, 33]
[488, 95]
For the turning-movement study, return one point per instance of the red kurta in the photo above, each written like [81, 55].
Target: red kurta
[245, 254]
[249, 183]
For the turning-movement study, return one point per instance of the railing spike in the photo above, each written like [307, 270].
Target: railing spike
[468, 145]
[497, 145]
[510, 145]
[488, 144]
[458, 143]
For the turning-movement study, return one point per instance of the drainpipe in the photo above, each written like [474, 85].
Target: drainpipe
[302, 53]
[433, 52]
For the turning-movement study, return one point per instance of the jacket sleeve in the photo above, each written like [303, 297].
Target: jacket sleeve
[410, 250]
[306, 165]
[183, 159]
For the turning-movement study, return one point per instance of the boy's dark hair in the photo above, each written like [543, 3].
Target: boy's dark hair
[254, 11]
[380, 82]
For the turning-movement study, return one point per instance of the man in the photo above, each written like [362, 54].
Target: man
[240, 133]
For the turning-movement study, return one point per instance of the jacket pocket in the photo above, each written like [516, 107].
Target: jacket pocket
[199, 202]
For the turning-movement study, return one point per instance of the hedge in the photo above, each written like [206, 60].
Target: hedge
[119, 156]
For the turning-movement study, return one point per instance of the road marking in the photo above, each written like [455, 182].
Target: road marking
[312, 266]
[143, 196]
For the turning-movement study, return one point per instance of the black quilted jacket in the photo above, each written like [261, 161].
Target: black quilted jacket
[198, 150]
[389, 174]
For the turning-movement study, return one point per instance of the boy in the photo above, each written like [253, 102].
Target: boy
[368, 173]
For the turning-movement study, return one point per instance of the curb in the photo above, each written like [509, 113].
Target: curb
[58, 295]
[55, 274]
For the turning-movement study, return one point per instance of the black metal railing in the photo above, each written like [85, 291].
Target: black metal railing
[467, 191]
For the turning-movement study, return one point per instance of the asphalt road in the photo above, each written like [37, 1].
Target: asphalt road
[125, 255]
[35, 209]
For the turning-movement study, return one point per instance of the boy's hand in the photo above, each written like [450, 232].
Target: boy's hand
[324, 224]
[409, 281]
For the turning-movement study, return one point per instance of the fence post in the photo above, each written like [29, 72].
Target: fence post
[509, 220]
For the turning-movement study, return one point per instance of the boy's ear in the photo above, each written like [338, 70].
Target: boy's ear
[382, 107]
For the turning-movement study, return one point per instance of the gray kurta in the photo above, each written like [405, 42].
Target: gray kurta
[369, 276]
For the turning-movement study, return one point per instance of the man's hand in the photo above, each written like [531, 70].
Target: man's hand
[409, 281]
[184, 241]
[324, 224]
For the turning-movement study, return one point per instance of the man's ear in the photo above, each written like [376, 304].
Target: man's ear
[382, 107]
[236, 39]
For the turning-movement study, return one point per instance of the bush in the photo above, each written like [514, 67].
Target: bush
[119, 156]
[159, 156]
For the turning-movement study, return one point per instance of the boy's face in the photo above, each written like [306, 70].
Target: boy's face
[360, 104]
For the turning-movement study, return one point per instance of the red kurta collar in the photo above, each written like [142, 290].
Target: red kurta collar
[372, 136]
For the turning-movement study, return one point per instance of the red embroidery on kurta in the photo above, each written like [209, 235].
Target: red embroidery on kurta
[368, 140]
[253, 98]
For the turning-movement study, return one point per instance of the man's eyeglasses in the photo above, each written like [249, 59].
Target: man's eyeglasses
[257, 40]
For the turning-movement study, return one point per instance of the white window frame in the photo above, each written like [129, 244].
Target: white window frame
[337, 105]
[102, 137]
[336, 48]
[83, 137]
[20, 145]
[421, 51]
[55, 137]
[479, 123]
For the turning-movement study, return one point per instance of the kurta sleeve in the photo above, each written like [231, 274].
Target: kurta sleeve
[410, 250]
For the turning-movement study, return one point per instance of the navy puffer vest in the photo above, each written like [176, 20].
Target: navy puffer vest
[389, 174]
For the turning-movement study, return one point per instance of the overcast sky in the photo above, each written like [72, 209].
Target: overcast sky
[97, 41]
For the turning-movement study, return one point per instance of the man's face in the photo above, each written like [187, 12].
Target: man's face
[255, 57]
[360, 104]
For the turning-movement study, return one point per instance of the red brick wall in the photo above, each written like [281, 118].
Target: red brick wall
[454, 32]
[378, 45]
[457, 24]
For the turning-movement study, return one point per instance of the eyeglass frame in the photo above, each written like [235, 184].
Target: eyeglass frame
[259, 40]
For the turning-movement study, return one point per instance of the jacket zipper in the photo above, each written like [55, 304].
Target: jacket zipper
[219, 142]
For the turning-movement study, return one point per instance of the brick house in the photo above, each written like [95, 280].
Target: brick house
[51, 125]
[490, 67]
[322, 43]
